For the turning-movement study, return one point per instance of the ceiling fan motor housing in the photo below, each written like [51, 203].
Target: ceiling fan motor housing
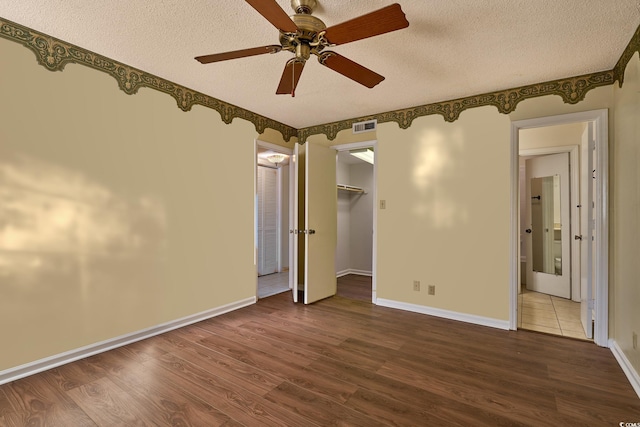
[305, 41]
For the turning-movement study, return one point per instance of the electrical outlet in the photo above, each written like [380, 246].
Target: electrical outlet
[635, 341]
[383, 204]
[416, 285]
[432, 290]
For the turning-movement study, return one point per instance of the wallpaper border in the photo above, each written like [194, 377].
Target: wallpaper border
[572, 90]
[54, 54]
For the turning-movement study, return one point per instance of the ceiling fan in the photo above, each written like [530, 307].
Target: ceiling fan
[303, 34]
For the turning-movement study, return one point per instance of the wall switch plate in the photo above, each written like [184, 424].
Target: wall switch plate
[432, 290]
[383, 204]
[416, 285]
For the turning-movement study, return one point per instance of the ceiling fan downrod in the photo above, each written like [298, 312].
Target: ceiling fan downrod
[304, 6]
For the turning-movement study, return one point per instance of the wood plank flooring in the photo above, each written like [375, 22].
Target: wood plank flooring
[341, 361]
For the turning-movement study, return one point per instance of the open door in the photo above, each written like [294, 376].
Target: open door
[586, 230]
[548, 232]
[315, 226]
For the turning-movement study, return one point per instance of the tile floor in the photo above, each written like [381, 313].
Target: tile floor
[273, 284]
[546, 313]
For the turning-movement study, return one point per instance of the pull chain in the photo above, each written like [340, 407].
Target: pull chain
[293, 79]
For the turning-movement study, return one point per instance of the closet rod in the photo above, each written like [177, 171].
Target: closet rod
[351, 188]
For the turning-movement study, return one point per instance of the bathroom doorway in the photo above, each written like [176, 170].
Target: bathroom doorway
[584, 136]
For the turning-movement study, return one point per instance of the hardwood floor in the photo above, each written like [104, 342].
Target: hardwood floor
[341, 361]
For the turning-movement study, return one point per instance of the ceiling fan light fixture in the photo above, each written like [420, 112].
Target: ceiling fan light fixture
[365, 154]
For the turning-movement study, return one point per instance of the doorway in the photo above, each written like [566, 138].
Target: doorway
[272, 206]
[356, 249]
[549, 299]
[589, 238]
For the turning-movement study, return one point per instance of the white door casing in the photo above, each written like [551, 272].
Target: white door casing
[299, 163]
[586, 231]
[287, 151]
[374, 145]
[600, 258]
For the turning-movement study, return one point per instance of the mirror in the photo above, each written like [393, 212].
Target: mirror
[546, 236]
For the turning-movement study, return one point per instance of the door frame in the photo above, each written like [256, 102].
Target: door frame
[574, 173]
[284, 150]
[601, 257]
[369, 144]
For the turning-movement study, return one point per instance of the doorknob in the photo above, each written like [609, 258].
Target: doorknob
[528, 230]
[310, 231]
[577, 237]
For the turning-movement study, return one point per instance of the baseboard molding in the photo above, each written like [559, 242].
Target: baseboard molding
[446, 314]
[625, 364]
[354, 271]
[25, 370]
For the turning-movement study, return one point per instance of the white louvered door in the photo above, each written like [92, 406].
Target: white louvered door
[267, 220]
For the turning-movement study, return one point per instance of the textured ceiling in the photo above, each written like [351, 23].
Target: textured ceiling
[451, 49]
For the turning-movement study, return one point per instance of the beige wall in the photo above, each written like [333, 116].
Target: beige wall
[114, 209]
[551, 136]
[446, 187]
[625, 214]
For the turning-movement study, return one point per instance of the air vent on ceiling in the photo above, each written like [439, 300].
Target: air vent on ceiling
[367, 126]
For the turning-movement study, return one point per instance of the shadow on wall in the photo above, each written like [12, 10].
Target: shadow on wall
[56, 226]
[436, 168]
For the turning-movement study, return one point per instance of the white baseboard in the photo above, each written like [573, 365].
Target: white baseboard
[25, 370]
[627, 368]
[446, 314]
[354, 271]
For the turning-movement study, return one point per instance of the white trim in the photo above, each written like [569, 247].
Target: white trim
[32, 368]
[354, 271]
[601, 258]
[284, 150]
[354, 145]
[374, 257]
[514, 242]
[625, 364]
[446, 314]
[274, 147]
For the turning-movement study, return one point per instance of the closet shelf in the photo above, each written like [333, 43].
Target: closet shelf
[351, 189]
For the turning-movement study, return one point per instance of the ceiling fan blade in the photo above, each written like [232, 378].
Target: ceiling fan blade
[274, 14]
[350, 69]
[290, 77]
[385, 20]
[206, 59]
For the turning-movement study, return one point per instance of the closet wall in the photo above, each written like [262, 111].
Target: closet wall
[355, 219]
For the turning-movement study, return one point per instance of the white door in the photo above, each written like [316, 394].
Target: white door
[586, 230]
[315, 226]
[267, 221]
[548, 232]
